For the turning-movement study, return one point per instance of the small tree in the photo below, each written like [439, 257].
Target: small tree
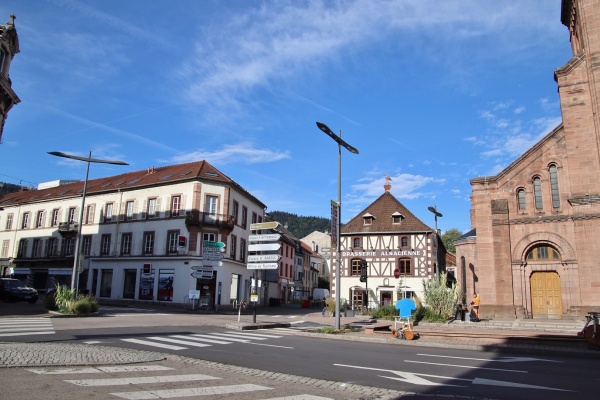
[439, 298]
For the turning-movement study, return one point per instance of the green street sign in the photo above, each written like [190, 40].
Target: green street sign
[213, 244]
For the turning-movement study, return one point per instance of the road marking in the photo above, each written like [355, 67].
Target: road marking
[301, 397]
[205, 391]
[255, 335]
[141, 380]
[97, 370]
[148, 343]
[466, 366]
[271, 345]
[416, 379]
[501, 359]
[177, 341]
[26, 326]
[200, 338]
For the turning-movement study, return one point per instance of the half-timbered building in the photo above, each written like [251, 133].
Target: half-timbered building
[399, 249]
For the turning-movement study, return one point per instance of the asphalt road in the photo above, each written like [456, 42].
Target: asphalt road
[402, 368]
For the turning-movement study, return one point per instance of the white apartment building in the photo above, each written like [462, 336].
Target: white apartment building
[144, 235]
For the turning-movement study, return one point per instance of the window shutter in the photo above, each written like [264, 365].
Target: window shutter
[143, 213]
[157, 212]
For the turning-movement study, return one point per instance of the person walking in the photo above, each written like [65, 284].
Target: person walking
[324, 304]
[475, 303]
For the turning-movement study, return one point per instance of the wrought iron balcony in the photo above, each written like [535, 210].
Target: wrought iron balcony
[68, 228]
[223, 221]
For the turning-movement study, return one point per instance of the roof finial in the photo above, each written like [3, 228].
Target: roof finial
[387, 185]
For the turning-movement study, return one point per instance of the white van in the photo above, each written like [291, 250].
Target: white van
[319, 293]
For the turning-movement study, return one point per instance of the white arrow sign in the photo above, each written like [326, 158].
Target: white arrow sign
[213, 256]
[213, 250]
[264, 257]
[264, 247]
[263, 266]
[201, 274]
[273, 237]
[212, 263]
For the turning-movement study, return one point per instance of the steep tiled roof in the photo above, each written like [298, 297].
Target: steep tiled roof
[382, 210]
[197, 170]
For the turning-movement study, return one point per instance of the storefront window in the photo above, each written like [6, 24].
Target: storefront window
[129, 283]
[106, 282]
[165, 284]
[147, 286]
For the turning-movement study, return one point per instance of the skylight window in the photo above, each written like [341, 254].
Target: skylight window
[134, 181]
[162, 178]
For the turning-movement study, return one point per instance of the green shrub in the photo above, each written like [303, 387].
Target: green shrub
[439, 298]
[430, 315]
[327, 329]
[64, 299]
[385, 312]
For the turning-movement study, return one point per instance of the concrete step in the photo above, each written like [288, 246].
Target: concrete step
[542, 325]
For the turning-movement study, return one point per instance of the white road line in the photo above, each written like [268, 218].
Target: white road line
[200, 338]
[154, 344]
[25, 329]
[466, 366]
[141, 380]
[234, 336]
[256, 335]
[301, 397]
[228, 337]
[26, 333]
[177, 341]
[98, 370]
[205, 391]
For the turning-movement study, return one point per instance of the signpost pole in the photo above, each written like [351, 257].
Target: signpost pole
[256, 293]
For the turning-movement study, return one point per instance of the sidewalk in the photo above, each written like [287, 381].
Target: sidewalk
[524, 336]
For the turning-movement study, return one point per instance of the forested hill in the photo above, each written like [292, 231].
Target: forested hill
[300, 226]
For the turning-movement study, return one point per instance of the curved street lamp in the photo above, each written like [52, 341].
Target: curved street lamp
[88, 160]
[353, 150]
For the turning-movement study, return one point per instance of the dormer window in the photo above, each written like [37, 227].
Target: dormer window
[368, 219]
[397, 218]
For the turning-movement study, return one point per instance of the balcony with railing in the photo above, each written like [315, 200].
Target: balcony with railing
[68, 228]
[201, 219]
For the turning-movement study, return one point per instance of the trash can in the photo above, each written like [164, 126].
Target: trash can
[305, 303]
[460, 314]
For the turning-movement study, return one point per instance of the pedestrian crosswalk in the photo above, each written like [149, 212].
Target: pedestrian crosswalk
[120, 383]
[183, 342]
[25, 326]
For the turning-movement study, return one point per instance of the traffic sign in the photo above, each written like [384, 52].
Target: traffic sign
[264, 225]
[273, 237]
[201, 274]
[208, 243]
[212, 263]
[263, 266]
[213, 250]
[212, 256]
[264, 257]
[264, 247]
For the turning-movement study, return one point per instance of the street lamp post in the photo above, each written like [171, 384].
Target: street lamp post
[88, 160]
[351, 149]
[436, 214]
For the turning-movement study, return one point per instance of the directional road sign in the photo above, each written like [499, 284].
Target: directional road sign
[212, 256]
[201, 274]
[264, 225]
[263, 266]
[213, 250]
[212, 263]
[273, 237]
[208, 243]
[264, 247]
[264, 257]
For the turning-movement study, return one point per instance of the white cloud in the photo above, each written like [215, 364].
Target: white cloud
[244, 153]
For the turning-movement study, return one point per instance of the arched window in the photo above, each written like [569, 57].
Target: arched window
[356, 243]
[543, 252]
[537, 192]
[521, 199]
[554, 186]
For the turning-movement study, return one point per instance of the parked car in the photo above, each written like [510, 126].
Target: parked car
[15, 290]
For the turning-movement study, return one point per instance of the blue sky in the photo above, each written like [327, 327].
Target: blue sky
[431, 93]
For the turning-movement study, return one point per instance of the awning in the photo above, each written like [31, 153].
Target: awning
[21, 271]
[60, 271]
